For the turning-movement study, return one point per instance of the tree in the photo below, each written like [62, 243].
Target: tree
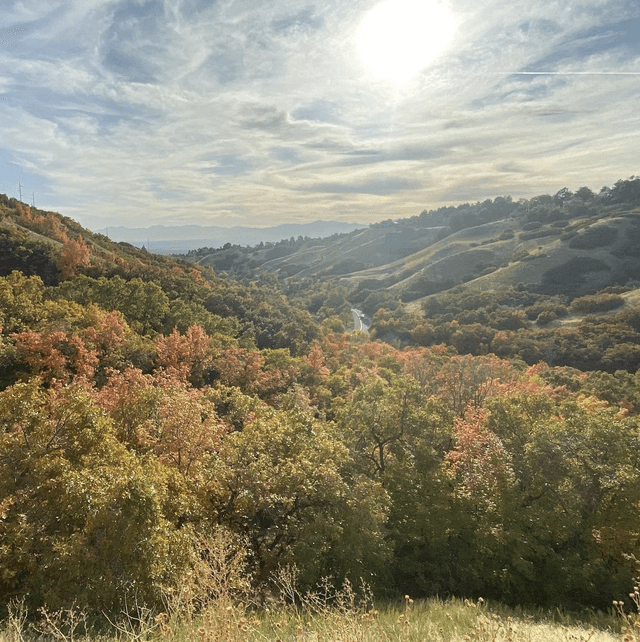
[379, 417]
[74, 255]
[20, 301]
[585, 194]
[287, 481]
[183, 430]
[187, 356]
[55, 356]
[562, 196]
[465, 380]
[400, 438]
[84, 522]
[578, 490]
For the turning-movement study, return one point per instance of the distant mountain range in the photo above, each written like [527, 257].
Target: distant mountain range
[182, 238]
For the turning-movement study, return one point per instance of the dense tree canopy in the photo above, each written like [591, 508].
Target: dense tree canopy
[145, 405]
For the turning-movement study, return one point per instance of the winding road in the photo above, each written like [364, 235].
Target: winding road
[360, 321]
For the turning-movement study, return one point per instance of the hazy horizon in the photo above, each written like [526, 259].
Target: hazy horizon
[238, 113]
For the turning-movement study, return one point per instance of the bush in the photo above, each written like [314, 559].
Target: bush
[593, 237]
[597, 303]
[555, 305]
[570, 275]
[545, 318]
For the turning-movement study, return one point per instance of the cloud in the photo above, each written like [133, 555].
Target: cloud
[304, 19]
[322, 111]
[263, 113]
[226, 65]
[131, 43]
[228, 165]
[194, 9]
[399, 153]
[623, 35]
[381, 185]
[268, 119]
[286, 155]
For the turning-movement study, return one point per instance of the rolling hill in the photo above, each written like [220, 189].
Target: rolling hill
[571, 244]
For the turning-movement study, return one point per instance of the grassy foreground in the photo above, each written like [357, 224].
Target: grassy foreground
[330, 618]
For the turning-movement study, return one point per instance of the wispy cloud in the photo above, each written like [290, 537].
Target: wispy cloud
[235, 111]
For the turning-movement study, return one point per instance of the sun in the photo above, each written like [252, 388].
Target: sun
[398, 38]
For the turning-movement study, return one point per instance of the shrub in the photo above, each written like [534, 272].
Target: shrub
[544, 318]
[570, 275]
[593, 237]
[556, 307]
[597, 303]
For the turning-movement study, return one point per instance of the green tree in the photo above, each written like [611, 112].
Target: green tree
[287, 481]
[84, 521]
[20, 301]
[144, 304]
[378, 420]
[576, 465]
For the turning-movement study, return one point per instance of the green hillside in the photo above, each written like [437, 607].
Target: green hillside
[493, 244]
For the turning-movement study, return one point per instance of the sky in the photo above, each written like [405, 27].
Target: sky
[257, 112]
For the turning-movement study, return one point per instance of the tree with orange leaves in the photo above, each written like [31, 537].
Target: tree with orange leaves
[184, 356]
[74, 254]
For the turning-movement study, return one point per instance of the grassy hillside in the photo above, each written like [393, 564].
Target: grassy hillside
[571, 244]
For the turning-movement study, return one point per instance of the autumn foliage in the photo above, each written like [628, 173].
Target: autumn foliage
[136, 423]
[74, 255]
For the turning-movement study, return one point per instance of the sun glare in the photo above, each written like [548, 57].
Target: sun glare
[398, 38]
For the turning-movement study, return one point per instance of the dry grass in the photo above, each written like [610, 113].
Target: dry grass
[323, 616]
[230, 612]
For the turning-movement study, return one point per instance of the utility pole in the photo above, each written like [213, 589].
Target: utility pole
[33, 199]
[20, 190]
